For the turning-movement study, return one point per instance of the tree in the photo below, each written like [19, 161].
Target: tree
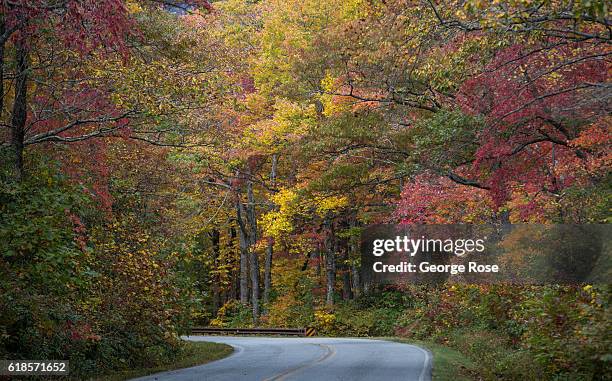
[64, 50]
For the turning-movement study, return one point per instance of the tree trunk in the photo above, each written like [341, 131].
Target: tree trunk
[251, 218]
[215, 239]
[273, 170]
[255, 285]
[2, 44]
[244, 253]
[353, 248]
[235, 292]
[270, 248]
[19, 117]
[254, 259]
[347, 293]
[330, 263]
[268, 272]
[356, 280]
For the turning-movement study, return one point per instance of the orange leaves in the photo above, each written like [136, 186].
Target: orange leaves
[435, 200]
[596, 140]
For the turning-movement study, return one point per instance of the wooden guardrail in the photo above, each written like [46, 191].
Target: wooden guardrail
[253, 331]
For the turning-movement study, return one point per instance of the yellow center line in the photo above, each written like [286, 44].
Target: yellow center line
[330, 351]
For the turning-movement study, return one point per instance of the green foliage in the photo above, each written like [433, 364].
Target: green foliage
[233, 314]
[510, 332]
[344, 128]
[445, 140]
[42, 262]
[377, 321]
[293, 301]
[495, 358]
[590, 204]
[37, 235]
[102, 298]
[190, 354]
[518, 333]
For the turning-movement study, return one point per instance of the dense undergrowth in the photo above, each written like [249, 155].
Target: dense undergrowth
[510, 332]
[159, 165]
[99, 292]
[108, 296]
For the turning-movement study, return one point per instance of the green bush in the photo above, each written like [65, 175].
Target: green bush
[518, 333]
[76, 288]
[352, 321]
[233, 314]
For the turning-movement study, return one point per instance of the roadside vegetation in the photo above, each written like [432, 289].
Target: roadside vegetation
[478, 332]
[448, 364]
[191, 354]
[165, 164]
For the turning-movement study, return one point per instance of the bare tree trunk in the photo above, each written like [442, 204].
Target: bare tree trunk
[255, 285]
[347, 293]
[268, 273]
[353, 248]
[330, 262]
[19, 117]
[244, 253]
[215, 239]
[356, 280]
[273, 170]
[270, 248]
[251, 218]
[235, 292]
[2, 44]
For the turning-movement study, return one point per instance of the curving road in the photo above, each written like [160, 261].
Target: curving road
[320, 359]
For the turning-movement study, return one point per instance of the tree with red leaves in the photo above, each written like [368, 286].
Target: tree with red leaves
[47, 94]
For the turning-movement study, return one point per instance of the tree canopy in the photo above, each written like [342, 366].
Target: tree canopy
[170, 163]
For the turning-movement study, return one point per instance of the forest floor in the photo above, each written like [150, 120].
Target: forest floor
[196, 353]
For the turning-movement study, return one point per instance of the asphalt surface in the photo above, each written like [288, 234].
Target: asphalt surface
[319, 359]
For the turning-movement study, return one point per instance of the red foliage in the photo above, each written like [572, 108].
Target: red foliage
[433, 199]
[83, 25]
[534, 99]
[86, 163]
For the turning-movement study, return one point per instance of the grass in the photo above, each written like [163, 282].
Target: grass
[195, 353]
[448, 364]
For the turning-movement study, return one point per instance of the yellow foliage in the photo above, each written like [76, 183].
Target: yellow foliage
[278, 223]
[324, 320]
[332, 104]
[133, 7]
[330, 204]
[289, 122]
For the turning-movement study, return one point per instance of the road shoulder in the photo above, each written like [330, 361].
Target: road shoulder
[195, 353]
[448, 364]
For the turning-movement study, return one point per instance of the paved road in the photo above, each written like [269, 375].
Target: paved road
[320, 359]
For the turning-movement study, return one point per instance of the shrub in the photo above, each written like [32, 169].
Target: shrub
[103, 295]
[233, 314]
